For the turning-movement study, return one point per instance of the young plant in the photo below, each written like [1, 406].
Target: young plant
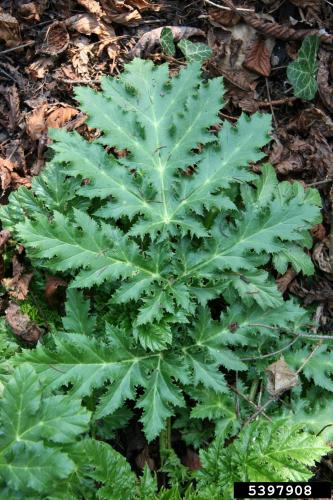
[164, 219]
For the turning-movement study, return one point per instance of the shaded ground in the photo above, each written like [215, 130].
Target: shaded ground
[48, 47]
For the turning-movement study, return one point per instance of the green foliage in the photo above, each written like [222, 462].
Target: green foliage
[302, 73]
[167, 43]
[195, 51]
[34, 431]
[166, 228]
[264, 451]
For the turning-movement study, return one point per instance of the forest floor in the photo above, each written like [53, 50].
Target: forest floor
[47, 47]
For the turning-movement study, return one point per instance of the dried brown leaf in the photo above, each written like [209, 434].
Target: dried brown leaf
[53, 286]
[293, 164]
[6, 170]
[40, 68]
[192, 460]
[121, 13]
[258, 58]
[282, 32]
[60, 116]
[88, 24]
[17, 180]
[284, 281]
[4, 237]
[55, 39]
[280, 377]
[14, 150]
[152, 38]
[35, 122]
[318, 232]
[92, 6]
[324, 87]
[14, 107]
[18, 286]
[9, 30]
[32, 11]
[320, 256]
[224, 18]
[144, 458]
[310, 120]
[143, 5]
[21, 324]
[238, 78]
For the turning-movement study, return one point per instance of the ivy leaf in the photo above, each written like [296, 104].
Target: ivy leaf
[303, 71]
[195, 51]
[167, 43]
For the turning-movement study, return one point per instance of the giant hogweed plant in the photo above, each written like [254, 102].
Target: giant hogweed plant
[176, 241]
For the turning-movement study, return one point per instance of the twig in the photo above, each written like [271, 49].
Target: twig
[318, 183]
[330, 250]
[67, 80]
[27, 44]
[260, 410]
[302, 335]
[223, 7]
[270, 103]
[307, 359]
[312, 337]
[237, 400]
[9, 76]
[276, 102]
[236, 391]
[272, 353]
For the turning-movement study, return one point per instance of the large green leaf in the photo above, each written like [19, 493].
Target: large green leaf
[31, 425]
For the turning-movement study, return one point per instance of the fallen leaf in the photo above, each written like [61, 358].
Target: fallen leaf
[60, 116]
[21, 324]
[258, 58]
[17, 180]
[55, 39]
[88, 24]
[14, 150]
[318, 232]
[18, 286]
[144, 458]
[35, 122]
[40, 68]
[293, 164]
[53, 286]
[324, 87]
[9, 30]
[280, 377]
[145, 5]
[224, 18]
[320, 256]
[2, 268]
[4, 237]
[152, 38]
[92, 6]
[121, 13]
[6, 169]
[191, 460]
[11, 96]
[32, 11]
[284, 281]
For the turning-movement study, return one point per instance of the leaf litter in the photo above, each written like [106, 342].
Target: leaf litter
[46, 48]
